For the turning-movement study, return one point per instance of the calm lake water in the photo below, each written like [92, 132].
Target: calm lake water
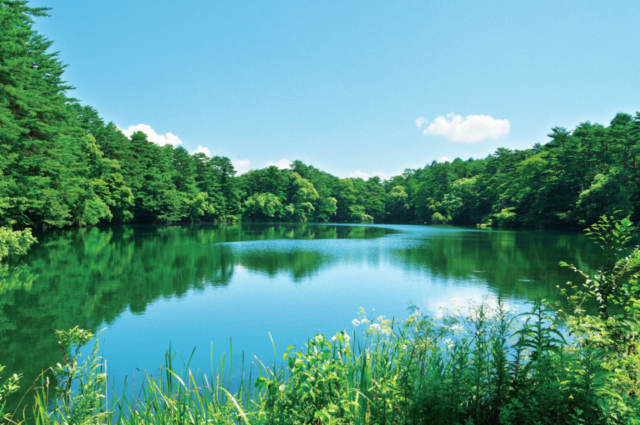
[202, 285]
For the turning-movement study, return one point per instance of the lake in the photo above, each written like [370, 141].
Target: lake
[206, 284]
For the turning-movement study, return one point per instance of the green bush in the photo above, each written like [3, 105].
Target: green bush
[15, 242]
[505, 218]
[8, 387]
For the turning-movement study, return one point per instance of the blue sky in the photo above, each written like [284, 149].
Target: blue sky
[350, 87]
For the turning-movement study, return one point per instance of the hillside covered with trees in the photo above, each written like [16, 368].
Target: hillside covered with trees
[62, 165]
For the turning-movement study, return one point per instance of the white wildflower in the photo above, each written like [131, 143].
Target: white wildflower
[449, 343]
[356, 322]
[375, 327]
[364, 321]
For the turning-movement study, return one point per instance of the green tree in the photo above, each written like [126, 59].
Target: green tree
[397, 207]
[263, 207]
[302, 196]
[15, 242]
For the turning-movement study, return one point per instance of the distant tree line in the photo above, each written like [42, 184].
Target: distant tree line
[62, 165]
[569, 182]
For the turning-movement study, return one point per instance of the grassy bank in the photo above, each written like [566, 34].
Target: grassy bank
[481, 364]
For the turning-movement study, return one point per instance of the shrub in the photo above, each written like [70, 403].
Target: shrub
[15, 242]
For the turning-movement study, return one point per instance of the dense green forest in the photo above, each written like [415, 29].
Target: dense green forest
[62, 165]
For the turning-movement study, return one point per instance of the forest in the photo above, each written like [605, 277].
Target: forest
[62, 165]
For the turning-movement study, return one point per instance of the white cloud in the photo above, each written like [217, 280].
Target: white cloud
[420, 121]
[366, 176]
[469, 129]
[202, 149]
[283, 164]
[241, 165]
[443, 160]
[152, 136]
[244, 163]
[360, 175]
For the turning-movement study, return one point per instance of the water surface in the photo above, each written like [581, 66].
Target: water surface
[202, 285]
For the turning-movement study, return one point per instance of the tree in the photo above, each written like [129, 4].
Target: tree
[262, 207]
[302, 197]
[397, 206]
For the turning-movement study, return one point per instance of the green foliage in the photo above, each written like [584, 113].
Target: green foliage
[199, 207]
[615, 284]
[607, 193]
[265, 206]
[438, 218]
[302, 196]
[505, 218]
[615, 330]
[62, 165]
[397, 204]
[15, 242]
[7, 387]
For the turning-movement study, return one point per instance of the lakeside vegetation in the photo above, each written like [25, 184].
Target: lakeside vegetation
[488, 364]
[62, 165]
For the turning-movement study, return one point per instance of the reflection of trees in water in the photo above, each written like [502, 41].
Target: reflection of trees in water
[86, 277]
[14, 278]
[89, 276]
[303, 231]
[523, 264]
[300, 263]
